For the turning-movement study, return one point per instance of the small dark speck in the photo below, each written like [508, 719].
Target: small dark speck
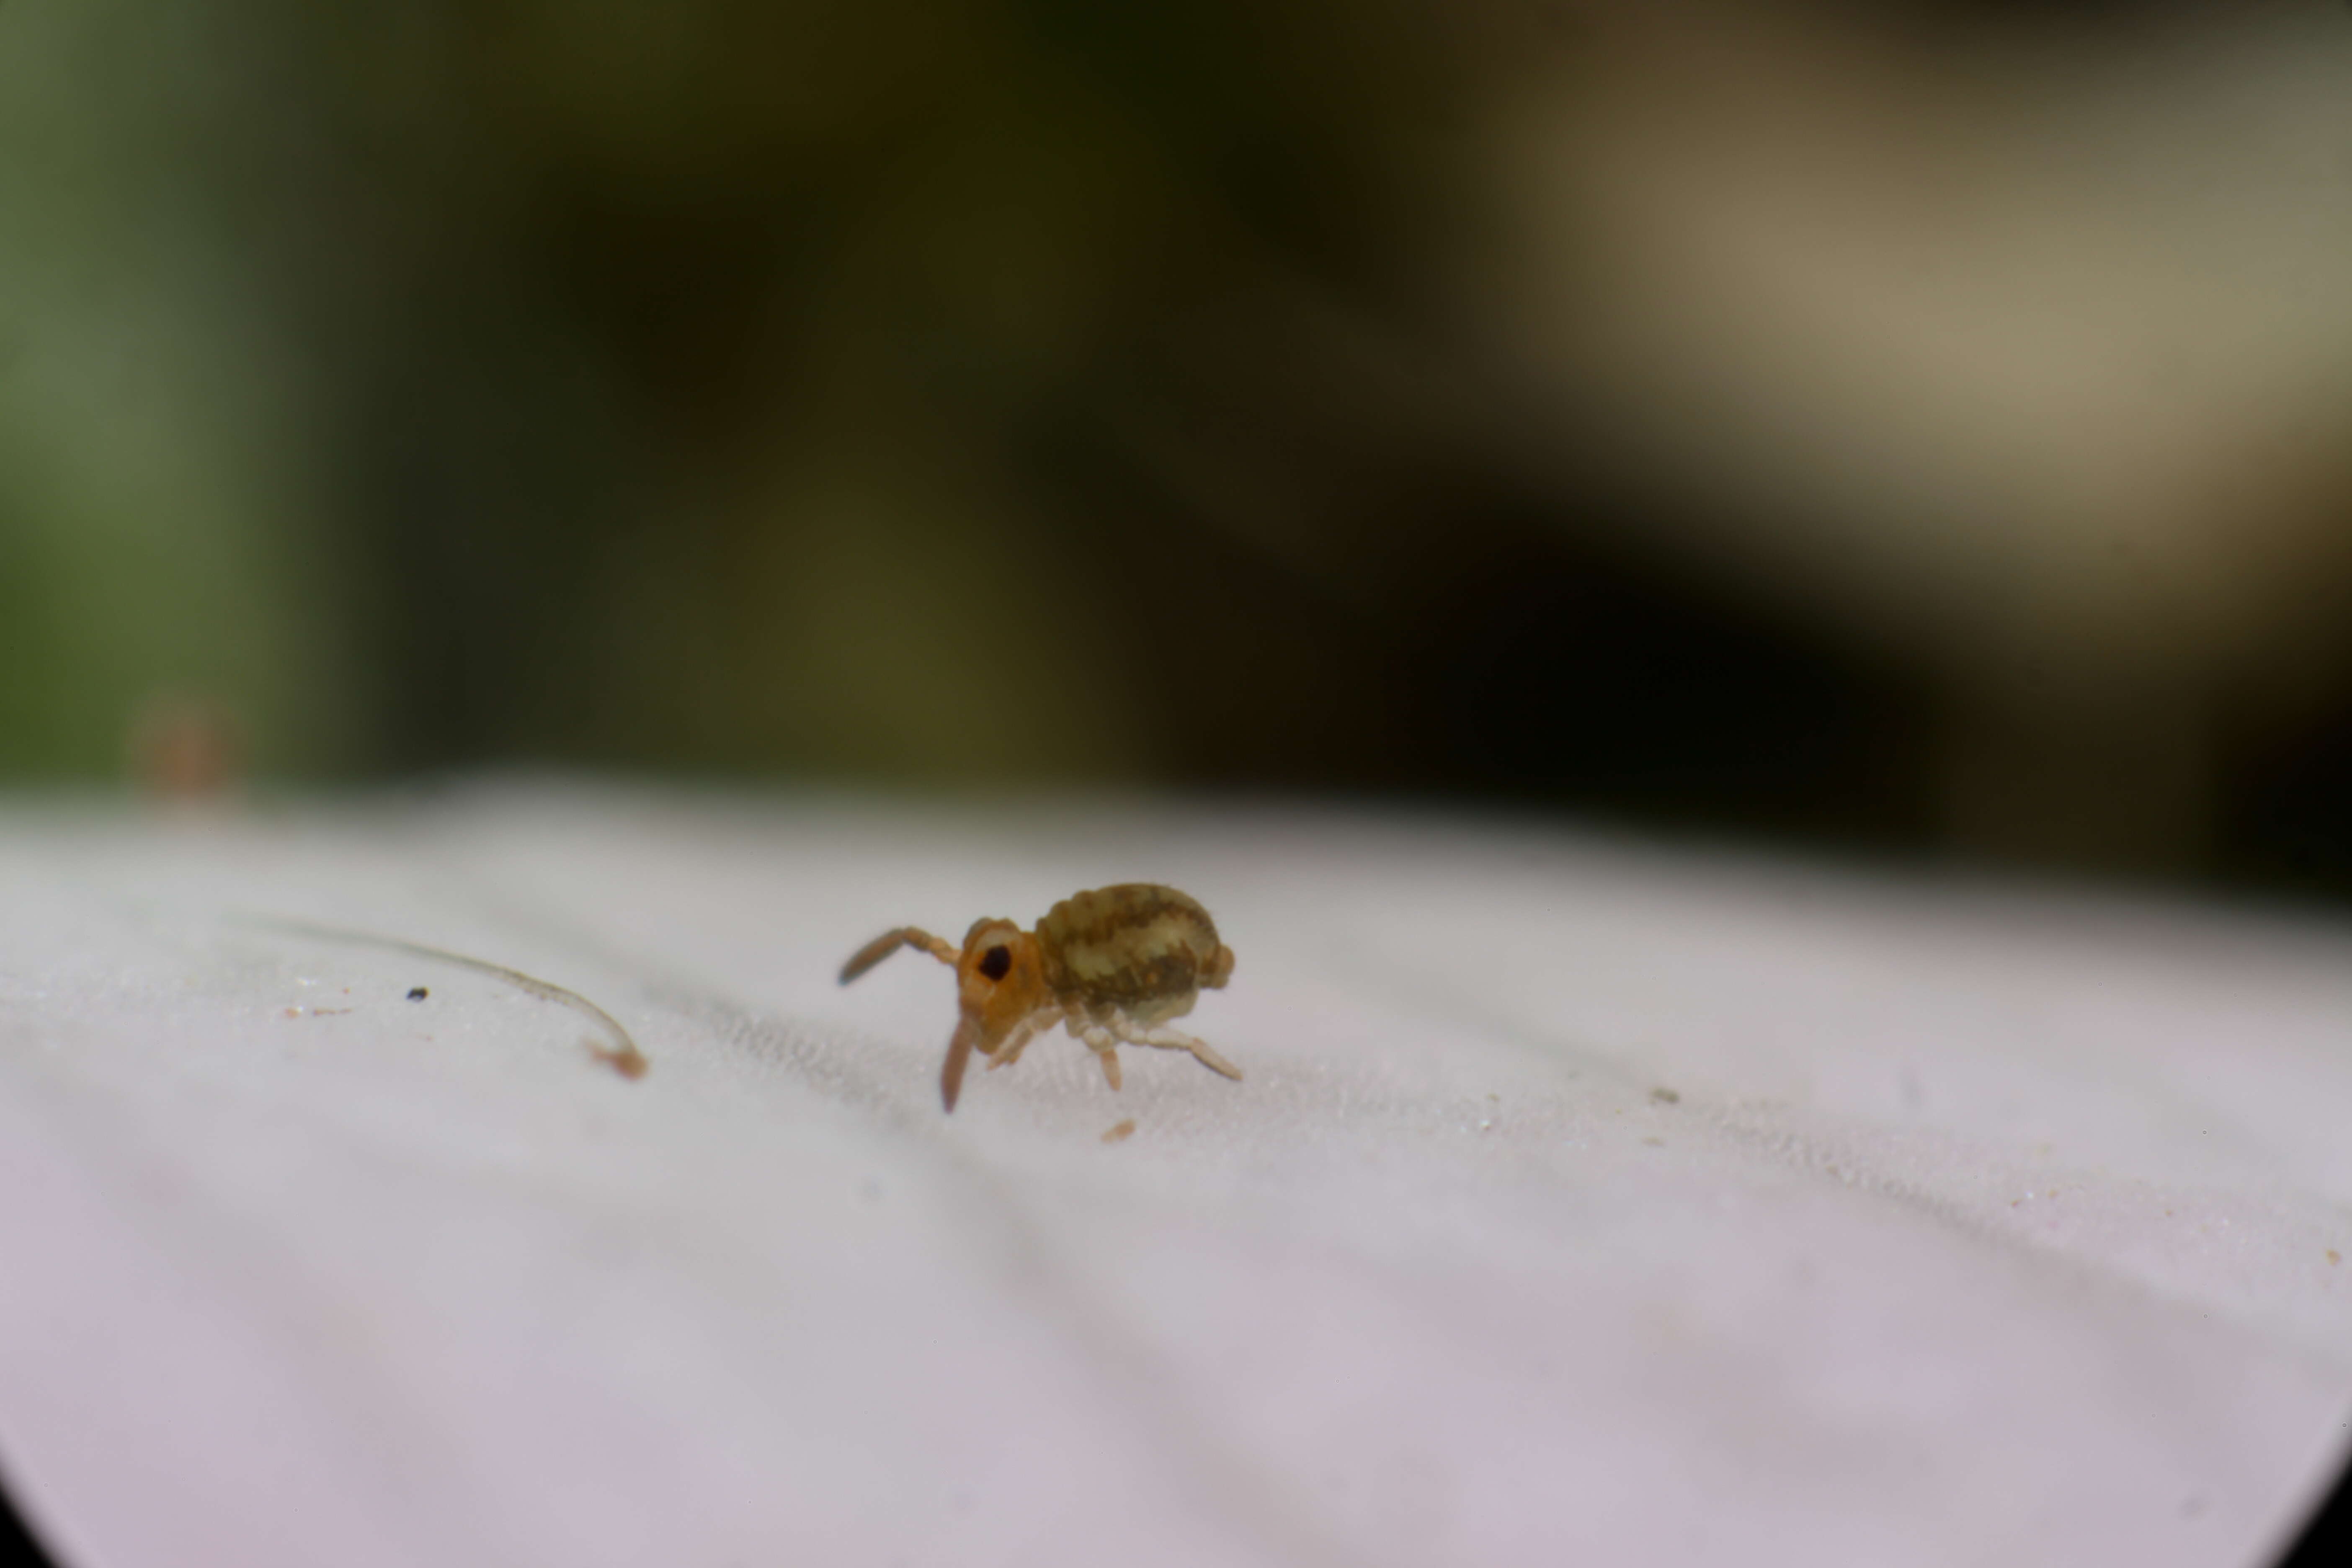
[1665, 1096]
[1655, 1143]
[871, 1191]
[2191, 1507]
[418, 993]
[2334, 1256]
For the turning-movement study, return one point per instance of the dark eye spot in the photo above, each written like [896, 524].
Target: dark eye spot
[997, 963]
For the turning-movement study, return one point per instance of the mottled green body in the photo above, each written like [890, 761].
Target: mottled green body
[1141, 948]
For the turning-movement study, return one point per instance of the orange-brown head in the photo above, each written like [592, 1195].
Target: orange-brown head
[1000, 982]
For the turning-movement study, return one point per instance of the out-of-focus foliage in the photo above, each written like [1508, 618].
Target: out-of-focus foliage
[651, 380]
[154, 526]
[1916, 422]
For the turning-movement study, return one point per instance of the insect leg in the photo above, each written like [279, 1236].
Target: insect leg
[1104, 1043]
[1171, 1040]
[890, 942]
[1009, 1050]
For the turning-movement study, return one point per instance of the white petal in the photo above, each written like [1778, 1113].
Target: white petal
[1967, 1226]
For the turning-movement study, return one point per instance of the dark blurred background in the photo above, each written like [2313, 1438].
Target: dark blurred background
[1920, 425]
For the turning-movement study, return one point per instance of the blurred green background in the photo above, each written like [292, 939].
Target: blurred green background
[1920, 425]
